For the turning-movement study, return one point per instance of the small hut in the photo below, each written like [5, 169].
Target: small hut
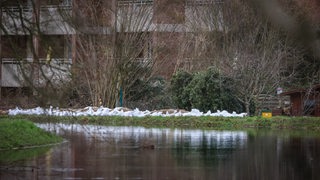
[304, 102]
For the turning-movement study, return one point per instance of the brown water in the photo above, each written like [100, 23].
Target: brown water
[97, 152]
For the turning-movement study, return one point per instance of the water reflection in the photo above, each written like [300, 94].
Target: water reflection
[6, 157]
[98, 152]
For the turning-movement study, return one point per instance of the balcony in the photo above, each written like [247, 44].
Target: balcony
[13, 71]
[20, 20]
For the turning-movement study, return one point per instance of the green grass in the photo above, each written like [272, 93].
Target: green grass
[204, 122]
[17, 133]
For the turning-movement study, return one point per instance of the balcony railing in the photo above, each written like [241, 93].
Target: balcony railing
[134, 2]
[13, 74]
[202, 2]
[19, 19]
[58, 61]
[144, 62]
[25, 9]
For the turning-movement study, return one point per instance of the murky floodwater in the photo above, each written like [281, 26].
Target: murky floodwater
[98, 152]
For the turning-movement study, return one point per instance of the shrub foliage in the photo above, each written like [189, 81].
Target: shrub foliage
[206, 90]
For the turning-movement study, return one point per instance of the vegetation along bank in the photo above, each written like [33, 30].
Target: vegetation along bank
[202, 122]
[19, 133]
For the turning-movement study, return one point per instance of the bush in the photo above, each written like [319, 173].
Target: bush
[149, 94]
[180, 95]
[208, 90]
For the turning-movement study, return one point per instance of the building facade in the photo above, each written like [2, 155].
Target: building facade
[42, 39]
[45, 34]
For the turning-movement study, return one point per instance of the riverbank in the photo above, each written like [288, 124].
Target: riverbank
[202, 122]
[19, 133]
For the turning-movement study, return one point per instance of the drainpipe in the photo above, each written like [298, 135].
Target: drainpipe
[35, 43]
[74, 42]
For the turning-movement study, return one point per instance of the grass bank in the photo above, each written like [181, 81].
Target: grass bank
[18, 133]
[203, 122]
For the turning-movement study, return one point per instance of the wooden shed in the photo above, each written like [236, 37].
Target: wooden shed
[304, 102]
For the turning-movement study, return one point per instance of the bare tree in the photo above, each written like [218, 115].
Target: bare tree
[33, 58]
[203, 30]
[300, 20]
[113, 48]
[111, 44]
[257, 55]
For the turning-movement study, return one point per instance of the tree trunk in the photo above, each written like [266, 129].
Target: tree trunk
[247, 106]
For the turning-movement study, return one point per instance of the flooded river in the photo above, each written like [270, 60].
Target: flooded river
[99, 152]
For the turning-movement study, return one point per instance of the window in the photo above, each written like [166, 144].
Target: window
[14, 3]
[53, 46]
[14, 46]
[16, 6]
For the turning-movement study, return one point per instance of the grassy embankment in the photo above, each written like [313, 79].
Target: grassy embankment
[18, 133]
[204, 122]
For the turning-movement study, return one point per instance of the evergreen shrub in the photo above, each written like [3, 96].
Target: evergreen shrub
[149, 94]
[180, 94]
[206, 90]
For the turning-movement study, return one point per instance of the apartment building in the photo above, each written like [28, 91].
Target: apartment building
[40, 38]
[24, 53]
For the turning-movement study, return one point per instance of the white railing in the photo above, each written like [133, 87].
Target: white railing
[144, 61]
[134, 2]
[15, 60]
[202, 2]
[41, 60]
[15, 9]
[60, 7]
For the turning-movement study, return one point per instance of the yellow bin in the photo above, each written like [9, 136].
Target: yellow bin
[267, 114]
